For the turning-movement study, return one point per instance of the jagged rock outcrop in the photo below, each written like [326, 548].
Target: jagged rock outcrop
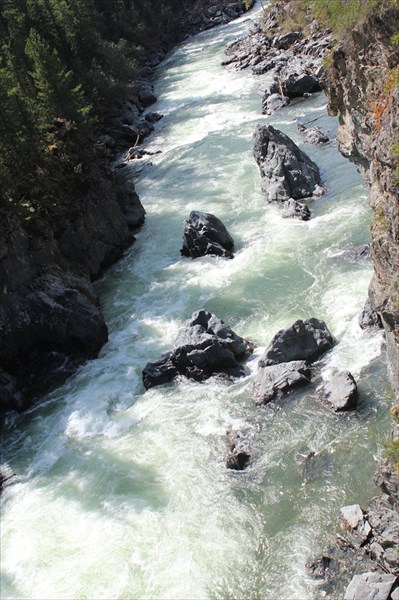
[286, 171]
[50, 320]
[205, 346]
[364, 93]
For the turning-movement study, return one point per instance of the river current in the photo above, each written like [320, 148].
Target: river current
[121, 493]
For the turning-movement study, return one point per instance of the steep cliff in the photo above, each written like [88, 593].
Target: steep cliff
[362, 85]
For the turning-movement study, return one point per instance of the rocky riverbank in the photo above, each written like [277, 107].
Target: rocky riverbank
[291, 65]
[50, 318]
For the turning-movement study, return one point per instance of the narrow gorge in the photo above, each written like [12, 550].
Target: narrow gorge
[207, 451]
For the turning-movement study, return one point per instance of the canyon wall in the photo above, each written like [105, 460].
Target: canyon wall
[362, 85]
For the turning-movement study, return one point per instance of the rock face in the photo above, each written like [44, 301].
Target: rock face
[276, 380]
[341, 392]
[286, 171]
[359, 91]
[205, 346]
[303, 340]
[50, 321]
[369, 318]
[205, 234]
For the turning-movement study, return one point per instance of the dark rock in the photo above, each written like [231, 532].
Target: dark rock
[273, 103]
[159, 371]
[10, 396]
[369, 318]
[145, 93]
[341, 392]
[205, 346]
[296, 86]
[321, 568]
[275, 380]
[238, 456]
[282, 42]
[296, 210]
[237, 460]
[303, 340]
[205, 234]
[153, 117]
[315, 136]
[370, 586]
[286, 171]
[129, 201]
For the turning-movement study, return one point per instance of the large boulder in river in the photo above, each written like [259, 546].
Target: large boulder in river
[205, 234]
[286, 171]
[303, 340]
[276, 380]
[205, 346]
[341, 392]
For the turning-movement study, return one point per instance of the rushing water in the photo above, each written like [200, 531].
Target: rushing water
[122, 493]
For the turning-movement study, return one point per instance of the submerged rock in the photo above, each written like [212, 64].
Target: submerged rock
[321, 568]
[303, 340]
[295, 210]
[286, 171]
[206, 234]
[341, 392]
[205, 346]
[275, 380]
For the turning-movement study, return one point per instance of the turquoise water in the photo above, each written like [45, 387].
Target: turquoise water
[122, 493]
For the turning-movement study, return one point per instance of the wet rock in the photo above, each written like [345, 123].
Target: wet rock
[355, 252]
[303, 340]
[6, 476]
[237, 461]
[369, 318]
[341, 392]
[145, 92]
[316, 136]
[275, 380]
[205, 234]
[286, 171]
[354, 521]
[10, 396]
[238, 456]
[205, 346]
[321, 568]
[295, 210]
[370, 586]
[273, 103]
[153, 117]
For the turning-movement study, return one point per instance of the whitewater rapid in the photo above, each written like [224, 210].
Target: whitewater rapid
[121, 493]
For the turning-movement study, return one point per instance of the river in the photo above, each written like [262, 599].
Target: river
[121, 493]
